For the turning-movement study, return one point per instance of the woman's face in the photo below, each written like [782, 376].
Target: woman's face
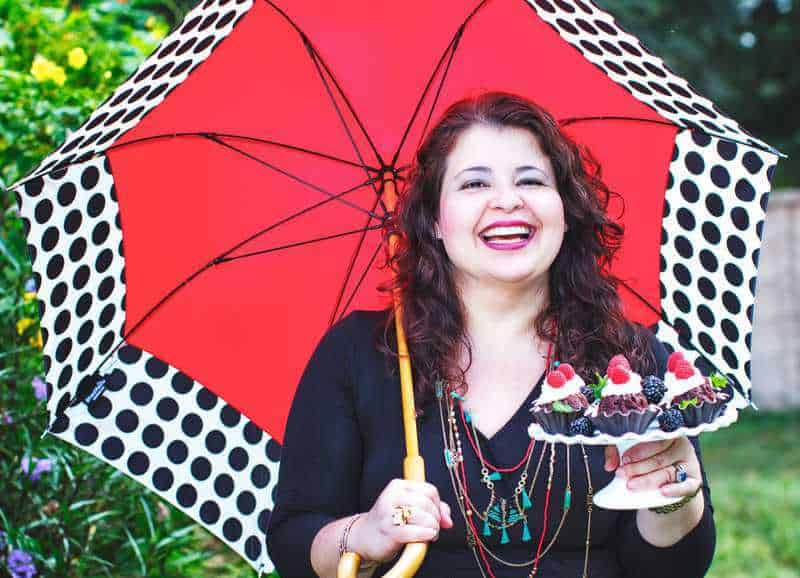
[500, 176]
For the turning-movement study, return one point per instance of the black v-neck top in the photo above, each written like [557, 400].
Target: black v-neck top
[344, 442]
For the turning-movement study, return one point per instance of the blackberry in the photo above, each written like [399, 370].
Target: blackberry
[671, 420]
[653, 388]
[588, 392]
[581, 426]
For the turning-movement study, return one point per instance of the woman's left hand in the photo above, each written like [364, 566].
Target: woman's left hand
[652, 465]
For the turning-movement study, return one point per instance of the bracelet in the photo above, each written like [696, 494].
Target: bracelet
[346, 534]
[677, 505]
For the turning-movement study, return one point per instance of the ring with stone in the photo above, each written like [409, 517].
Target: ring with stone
[680, 472]
[401, 515]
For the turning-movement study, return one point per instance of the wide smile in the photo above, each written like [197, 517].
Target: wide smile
[508, 238]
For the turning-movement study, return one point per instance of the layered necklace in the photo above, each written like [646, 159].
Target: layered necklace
[503, 513]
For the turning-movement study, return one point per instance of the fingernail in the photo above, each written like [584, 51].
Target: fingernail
[626, 460]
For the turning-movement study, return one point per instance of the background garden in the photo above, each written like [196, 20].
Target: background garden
[65, 514]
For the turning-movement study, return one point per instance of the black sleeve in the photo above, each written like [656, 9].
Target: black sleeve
[320, 458]
[691, 556]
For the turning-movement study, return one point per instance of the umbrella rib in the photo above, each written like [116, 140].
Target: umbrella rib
[350, 266]
[293, 177]
[451, 47]
[640, 297]
[361, 279]
[220, 260]
[307, 42]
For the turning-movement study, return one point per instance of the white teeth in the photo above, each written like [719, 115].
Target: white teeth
[505, 231]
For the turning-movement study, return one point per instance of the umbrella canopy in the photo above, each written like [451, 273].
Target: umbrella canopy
[194, 239]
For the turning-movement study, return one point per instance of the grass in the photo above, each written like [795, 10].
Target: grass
[753, 469]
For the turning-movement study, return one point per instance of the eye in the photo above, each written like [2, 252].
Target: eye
[531, 182]
[474, 184]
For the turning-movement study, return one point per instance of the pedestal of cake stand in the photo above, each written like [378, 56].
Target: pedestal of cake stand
[617, 496]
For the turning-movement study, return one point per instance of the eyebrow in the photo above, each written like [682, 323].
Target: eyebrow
[481, 169]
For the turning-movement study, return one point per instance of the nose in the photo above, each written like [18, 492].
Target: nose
[506, 198]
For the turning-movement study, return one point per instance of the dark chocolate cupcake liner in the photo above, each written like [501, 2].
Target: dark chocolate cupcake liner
[619, 424]
[695, 415]
[555, 422]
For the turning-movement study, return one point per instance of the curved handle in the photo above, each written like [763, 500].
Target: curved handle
[413, 553]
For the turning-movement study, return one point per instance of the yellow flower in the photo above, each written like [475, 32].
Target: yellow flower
[150, 22]
[36, 341]
[23, 324]
[77, 58]
[43, 70]
[28, 296]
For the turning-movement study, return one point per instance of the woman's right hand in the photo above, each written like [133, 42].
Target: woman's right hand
[375, 537]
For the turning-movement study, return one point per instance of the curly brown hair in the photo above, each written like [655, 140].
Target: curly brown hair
[584, 317]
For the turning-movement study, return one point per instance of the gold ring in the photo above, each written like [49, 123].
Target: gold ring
[401, 515]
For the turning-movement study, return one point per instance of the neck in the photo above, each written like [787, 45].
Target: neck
[502, 315]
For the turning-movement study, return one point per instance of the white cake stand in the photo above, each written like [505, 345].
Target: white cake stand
[616, 495]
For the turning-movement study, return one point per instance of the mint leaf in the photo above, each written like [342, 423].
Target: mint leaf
[597, 388]
[687, 402]
[562, 407]
[718, 381]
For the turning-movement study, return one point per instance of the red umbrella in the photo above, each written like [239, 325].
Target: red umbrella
[195, 238]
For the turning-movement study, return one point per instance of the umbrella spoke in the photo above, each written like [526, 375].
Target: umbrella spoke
[451, 49]
[294, 177]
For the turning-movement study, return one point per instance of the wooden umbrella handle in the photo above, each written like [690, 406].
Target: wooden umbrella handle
[413, 465]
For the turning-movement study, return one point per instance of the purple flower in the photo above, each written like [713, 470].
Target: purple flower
[7, 419]
[30, 285]
[41, 466]
[39, 388]
[20, 564]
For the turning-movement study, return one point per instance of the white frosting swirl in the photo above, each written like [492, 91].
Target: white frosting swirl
[633, 385]
[550, 394]
[677, 386]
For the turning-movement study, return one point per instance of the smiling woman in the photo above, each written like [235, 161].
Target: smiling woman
[502, 270]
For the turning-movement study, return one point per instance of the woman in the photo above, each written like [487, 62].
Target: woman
[487, 309]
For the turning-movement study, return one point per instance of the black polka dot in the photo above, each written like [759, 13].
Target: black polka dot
[694, 163]
[117, 380]
[263, 519]
[711, 233]
[105, 288]
[709, 261]
[34, 186]
[77, 250]
[260, 476]
[177, 452]
[705, 315]
[112, 448]
[215, 441]
[681, 301]
[63, 350]
[55, 266]
[186, 496]
[232, 529]
[734, 275]
[714, 204]
[84, 304]
[103, 261]
[181, 383]
[752, 285]
[167, 409]
[73, 221]
[138, 463]
[43, 211]
[744, 190]
[730, 357]
[686, 219]
[229, 416]
[706, 288]
[252, 433]
[752, 162]
[106, 342]
[163, 479]
[155, 368]
[49, 238]
[100, 408]
[729, 330]
[700, 138]
[209, 512]
[731, 302]
[100, 233]
[206, 399]
[153, 436]
[683, 246]
[96, 205]
[707, 343]
[58, 295]
[129, 354]
[739, 218]
[62, 322]
[86, 434]
[246, 503]
[223, 485]
[141, 393]
[81, 277]
[690, 191]
[65, 377]
[192, 425]
[127, 421]
[755, 256]
[720, 176]
[726, 149]
[238, 459]
[736, 246]
[684, 332]
[85, 359]
[201, 468]
[273, 450]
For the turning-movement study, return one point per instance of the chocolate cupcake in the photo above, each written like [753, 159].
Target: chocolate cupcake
[622, 407]
[692, 393]
[561, 400]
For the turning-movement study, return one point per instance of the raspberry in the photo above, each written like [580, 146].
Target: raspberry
[671, 420]
[673, 359]
[556, 379]
[588, 393]
[619, 359]
[567, 370]
[684, 369]
[653, 388]
[618, 374]
[581, 426]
